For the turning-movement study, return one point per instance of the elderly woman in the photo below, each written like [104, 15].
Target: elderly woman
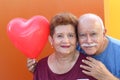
[64, 63]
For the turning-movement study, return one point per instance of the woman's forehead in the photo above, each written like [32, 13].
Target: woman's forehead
[64, 28]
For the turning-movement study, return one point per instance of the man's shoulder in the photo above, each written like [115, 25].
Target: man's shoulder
[114, 47]
[114, 41]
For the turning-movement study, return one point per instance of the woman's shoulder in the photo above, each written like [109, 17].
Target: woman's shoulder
[42, 61]
[82, 55]
[41, 66]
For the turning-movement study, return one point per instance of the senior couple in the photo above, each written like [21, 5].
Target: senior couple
[96, 57]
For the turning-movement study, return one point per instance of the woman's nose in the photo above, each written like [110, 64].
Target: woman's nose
[66, 39]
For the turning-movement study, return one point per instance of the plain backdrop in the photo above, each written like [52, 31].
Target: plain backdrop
[12, 61]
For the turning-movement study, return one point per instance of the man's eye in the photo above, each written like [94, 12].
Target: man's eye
[81, 35]
[93, 34]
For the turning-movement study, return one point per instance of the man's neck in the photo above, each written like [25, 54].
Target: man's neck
[103, 46]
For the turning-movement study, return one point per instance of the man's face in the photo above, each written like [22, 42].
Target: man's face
[91, 37]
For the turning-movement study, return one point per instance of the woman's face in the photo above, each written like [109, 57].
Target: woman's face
[64, 39]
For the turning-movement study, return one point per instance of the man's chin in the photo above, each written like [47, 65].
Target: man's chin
[90, 53]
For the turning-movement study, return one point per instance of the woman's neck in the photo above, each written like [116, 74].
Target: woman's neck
[60, 58]
[62, 64]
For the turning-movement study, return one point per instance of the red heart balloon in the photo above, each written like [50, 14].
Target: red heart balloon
[29, 36]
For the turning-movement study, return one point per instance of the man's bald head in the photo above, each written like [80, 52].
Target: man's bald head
[91, 18]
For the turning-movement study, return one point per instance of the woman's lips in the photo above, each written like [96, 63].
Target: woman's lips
[65, 46]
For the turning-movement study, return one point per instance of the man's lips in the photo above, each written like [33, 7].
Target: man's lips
[88, 47]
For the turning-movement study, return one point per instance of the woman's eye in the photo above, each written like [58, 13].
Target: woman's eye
[59, 35]
[71, 35]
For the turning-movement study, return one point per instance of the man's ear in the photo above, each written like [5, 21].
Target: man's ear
[50, 40]
[105, 31]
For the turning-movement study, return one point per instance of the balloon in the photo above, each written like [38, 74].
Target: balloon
[29, 36]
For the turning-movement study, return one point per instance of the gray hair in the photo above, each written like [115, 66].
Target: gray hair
[91, 16]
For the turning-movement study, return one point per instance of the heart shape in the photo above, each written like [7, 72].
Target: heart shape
[29, 36]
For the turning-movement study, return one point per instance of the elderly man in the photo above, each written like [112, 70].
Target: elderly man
[94, 42]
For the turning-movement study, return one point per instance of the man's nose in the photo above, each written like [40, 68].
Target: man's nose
[89, 39]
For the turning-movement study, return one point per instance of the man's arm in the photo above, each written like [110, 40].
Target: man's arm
[97, 69]
[31, 64]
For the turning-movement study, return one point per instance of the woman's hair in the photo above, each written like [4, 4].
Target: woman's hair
[63, 19]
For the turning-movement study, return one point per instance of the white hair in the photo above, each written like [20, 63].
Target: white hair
[93, 17]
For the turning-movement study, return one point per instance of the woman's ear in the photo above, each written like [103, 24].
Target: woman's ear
[50, 40]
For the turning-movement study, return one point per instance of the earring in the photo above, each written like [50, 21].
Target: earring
[51, 45]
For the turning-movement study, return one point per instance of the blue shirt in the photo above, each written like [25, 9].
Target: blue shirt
[110, 57]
